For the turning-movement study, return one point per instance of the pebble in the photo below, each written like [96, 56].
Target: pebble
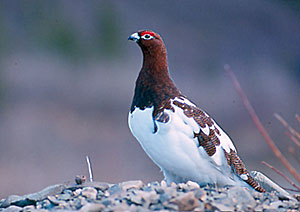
[92, 207]
[186, 201]
[89, 192]
[241, 195]
[12, 208]
[136, 196]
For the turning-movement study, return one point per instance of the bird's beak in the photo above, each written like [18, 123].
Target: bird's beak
[134, 37]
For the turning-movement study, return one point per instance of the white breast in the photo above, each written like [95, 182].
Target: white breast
[174, 149]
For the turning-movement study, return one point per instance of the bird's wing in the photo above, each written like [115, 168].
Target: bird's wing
[212, 141]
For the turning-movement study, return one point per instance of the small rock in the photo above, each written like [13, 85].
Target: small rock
[171, 206]
[222, 207]
[186, 201]
[241, 195]
[64, 197]
[31, 199]
[97, 185]
[163, 184]
[92, 207]
[182, 186]
[192, 185]
[89, 193]
[54, 200]
[125, 186]
[137, 197]
[200, 194]
[12, 208]
[47, 204]
[28, 208]
[119, 207]
[277, 204]
[106, 202]
[77, 192]
[137, 184]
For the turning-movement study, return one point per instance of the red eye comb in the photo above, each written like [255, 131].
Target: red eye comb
[148, 32]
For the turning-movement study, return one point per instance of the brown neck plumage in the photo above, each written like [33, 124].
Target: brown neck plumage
[154, 86]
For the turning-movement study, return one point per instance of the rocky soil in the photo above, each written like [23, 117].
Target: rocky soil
[155, 196]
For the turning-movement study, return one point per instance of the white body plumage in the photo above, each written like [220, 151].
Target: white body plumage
[173, 147]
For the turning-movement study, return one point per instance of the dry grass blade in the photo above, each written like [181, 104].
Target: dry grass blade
[89, 168]
[259, 125]
[295, 140]
[282, 175]
[284, 123]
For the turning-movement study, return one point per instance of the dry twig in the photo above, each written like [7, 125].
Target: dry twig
[294, 139]
[282, 175]
[284, 123]
[90, 168]
[259, 125]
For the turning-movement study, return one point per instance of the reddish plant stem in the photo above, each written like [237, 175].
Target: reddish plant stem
[295, 140]
[259, 125]
[282, 175]
[289, 189]
[284, 123]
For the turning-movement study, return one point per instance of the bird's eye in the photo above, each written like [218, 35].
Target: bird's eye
[147, 37]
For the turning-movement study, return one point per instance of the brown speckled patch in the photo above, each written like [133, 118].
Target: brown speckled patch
[238, 166]
[208, 142]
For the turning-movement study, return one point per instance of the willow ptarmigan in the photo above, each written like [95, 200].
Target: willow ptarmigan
[183, 140]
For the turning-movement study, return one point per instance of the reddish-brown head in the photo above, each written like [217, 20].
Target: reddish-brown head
[147, 40]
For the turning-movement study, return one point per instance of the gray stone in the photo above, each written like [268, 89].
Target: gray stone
[277, 204]
[241, 195]
[97, 185]
[64, 197]
[12, 208]
[186, 201]
[89, 193]
[118, 207]
[31, 199]
[136, 184]
[170, 206]
[200, 194]
[54, 200]
[223, 207]
[192, 185]
[92, 207]
[28, 208]
[77, 192]
[106, 202]
[125, 186]
[47, 204]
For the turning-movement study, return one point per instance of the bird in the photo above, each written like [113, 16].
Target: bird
[180, 138]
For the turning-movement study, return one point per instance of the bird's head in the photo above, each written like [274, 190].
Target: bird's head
[147, 39]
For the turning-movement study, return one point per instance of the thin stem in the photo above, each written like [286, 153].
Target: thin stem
[284, 123]
[259, 125]
[294, 139]
[90, 168]
[281, 174]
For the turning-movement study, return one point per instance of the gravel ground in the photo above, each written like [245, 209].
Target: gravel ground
[137, 196]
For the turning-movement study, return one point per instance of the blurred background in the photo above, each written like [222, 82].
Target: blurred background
[68, 73]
